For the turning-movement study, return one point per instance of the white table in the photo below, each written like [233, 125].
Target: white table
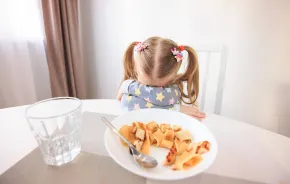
[247, 153]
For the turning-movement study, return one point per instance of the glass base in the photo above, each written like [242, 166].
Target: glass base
[60, 149]
[62, 159]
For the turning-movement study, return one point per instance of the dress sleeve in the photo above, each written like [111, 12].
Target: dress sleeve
[125, 86]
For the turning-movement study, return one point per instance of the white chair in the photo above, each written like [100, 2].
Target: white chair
[212, 67]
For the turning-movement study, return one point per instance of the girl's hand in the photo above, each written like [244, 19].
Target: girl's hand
[192, 111]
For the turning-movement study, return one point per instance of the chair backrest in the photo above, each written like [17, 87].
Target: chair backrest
[212, 67]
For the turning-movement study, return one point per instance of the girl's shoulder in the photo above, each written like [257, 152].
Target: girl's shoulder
[128, 82]
[152, 90]
[135, 84]
[125, 85]
[132, 85]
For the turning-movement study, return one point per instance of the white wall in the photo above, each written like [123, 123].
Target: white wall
[256, 33]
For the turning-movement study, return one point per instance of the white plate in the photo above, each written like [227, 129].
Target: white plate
[121, 154]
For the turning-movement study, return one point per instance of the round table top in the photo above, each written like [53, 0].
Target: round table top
[245, 152]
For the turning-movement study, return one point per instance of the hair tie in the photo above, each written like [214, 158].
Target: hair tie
[140, 46]
[178, 54]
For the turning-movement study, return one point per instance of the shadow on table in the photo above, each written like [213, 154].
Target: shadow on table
[86, 168]
[90, 169]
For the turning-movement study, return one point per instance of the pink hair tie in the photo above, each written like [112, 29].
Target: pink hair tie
[140, 46]
[177, 54]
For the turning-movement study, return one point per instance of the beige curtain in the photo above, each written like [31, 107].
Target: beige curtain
[63, 48]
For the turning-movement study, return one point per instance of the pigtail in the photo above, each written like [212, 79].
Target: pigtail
[191, 76]
[128, 62]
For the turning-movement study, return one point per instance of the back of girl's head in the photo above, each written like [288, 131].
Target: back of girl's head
[157, 61]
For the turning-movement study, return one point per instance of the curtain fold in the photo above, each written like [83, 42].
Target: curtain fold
[63, 49]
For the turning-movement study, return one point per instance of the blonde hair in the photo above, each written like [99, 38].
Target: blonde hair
[157, 61]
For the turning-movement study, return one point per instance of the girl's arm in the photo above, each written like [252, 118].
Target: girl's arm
[192, 111]
[120, 94]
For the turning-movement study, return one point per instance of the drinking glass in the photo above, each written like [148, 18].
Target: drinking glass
[55, 124]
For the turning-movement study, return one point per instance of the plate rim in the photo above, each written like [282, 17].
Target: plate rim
[144, 174]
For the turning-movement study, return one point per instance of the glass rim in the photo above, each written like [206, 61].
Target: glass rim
[50, 99]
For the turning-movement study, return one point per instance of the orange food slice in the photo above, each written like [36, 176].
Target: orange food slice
[186, 160]
[166, 144]
[152, 126]
[180, 146]
[192, 162]
[164, 127]
[171, 157]
[146, 145]
[202, 147]
[159, 136]
[183, 135]
[169, 134]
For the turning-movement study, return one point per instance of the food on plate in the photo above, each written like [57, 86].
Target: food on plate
[152, 126]
[166, 144]
[171, 157]
[169, 135]
[183, 153]
[138, 144]
[158, 136]
[180, 146]
[146, 145]
[140, 134]
[183, 135]
[164, 127]
[199, 147]
[192, 162]
[186, 160]
[132, 137]
[126, 132]
[138, 125]
[202, 147]
[186, 156]
[190, 147]
[151, 138]
[176, 128]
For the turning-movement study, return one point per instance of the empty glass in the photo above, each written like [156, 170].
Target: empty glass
[55, 124]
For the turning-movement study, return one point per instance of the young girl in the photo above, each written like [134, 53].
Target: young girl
[151, 79]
